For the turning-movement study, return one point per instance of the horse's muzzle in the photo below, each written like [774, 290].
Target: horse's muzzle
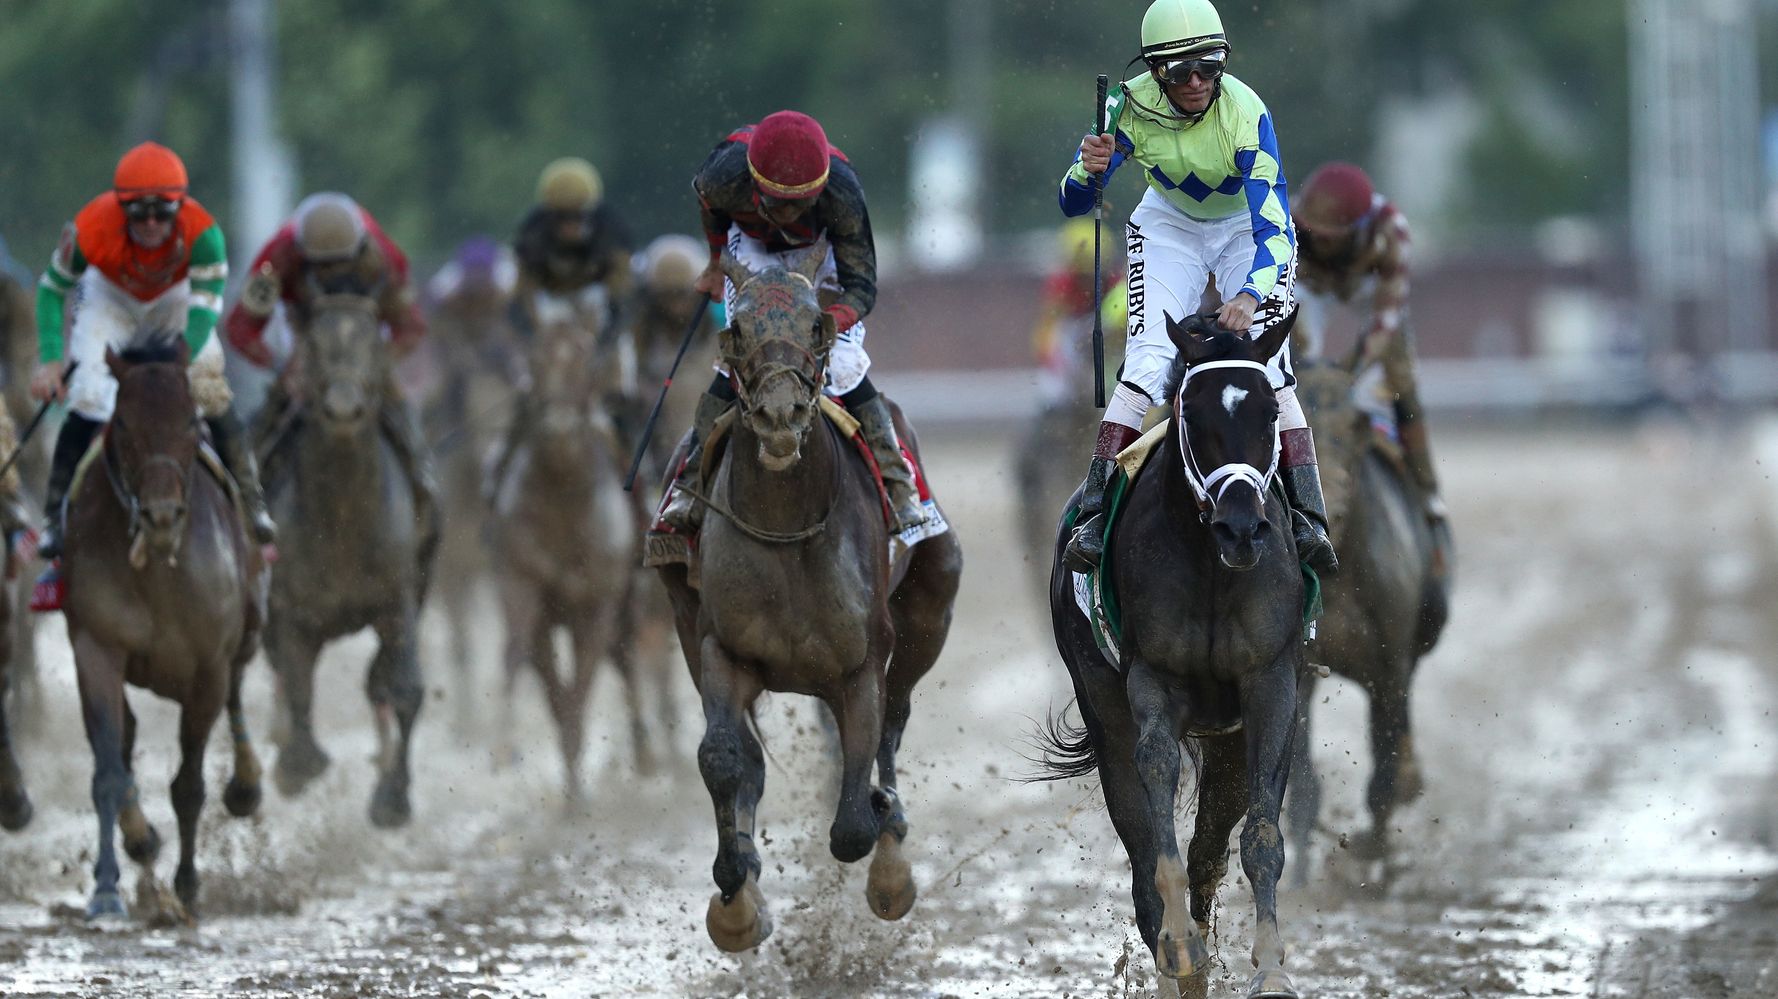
[1241, 536]
[160, 532]
[344, 407]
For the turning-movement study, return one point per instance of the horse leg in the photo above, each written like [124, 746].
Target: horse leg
[1269, 714]
[292, 653]
[99, 672]
[195, 722]
[523, 607]
[587, 639]
[1303, 804]
[1222, 799]
[141, 840]
[609, 631]
[858, 710]
[1395, 776]
[733, 767]
[15, 804]
[1179, 950]
[242, 794]
[395, 693]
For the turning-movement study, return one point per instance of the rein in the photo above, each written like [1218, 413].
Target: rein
[127, 497]
[1225, 475]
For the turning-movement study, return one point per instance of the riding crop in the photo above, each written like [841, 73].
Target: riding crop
[31, 428]
[654, 414]
[1098, 284]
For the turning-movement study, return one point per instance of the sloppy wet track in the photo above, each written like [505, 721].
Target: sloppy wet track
[1596, 731]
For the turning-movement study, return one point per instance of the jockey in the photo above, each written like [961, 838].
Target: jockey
[1065, 325]
[333, 246]
[666, 288]
[770, 193]
[571, 247]
[1348, 233]
[470, 295]
[146, 256]
[1216, 207]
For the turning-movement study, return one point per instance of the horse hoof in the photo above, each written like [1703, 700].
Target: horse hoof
[15, 811]
[1368, 845]
[389, 808]
[297, 766]
[106, 906]
[1180, 958]
[143, 850]
[890, 887]
[1272, 985]
[743, 923]
[241, 798]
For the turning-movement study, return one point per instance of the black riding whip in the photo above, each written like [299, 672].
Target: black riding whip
[654, 414]
[31, 428]
[1098, 286]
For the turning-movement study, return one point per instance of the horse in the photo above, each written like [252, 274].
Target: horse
[1205, 568]
[799, 594]
[1385, 610]
[16, 809]
[566, 539]
[355, 553]
[164, 591]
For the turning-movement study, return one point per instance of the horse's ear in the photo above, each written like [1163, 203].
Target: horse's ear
[1271, 341]
[734, 269]
[830, 329]
[1192, 338]
[810, 266]
[115, 363]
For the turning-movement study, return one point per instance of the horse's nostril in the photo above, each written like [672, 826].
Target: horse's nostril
[1260, 529]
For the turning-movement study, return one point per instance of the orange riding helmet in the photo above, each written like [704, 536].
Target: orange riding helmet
[150, 170]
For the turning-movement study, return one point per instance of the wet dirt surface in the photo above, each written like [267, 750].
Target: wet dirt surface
[1596, 730]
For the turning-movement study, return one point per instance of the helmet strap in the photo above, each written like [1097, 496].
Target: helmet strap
[1171, 112]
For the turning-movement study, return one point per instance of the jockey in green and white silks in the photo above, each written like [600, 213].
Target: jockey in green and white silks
[1217, 207]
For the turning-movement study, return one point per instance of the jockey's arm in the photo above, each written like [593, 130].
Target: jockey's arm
[1076, 194]
[209, 274]
[243, 327]
[400, 310]
[854, 254]
[66, 265]
[1390, 299]
[1262, 181]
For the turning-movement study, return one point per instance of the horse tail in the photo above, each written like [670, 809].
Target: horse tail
[1065, 750]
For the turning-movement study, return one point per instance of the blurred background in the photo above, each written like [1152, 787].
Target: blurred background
[1578, 175]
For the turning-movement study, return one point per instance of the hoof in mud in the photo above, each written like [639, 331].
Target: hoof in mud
[389, 807]
[1368, 845]
[1167, 988]
[890, 887]
[743, 923]
[15, 811]
[1180, 958]
[106, 906]
[1272, 985]
[297, 766]
[143, 848]
[241, 798]
[160, 908]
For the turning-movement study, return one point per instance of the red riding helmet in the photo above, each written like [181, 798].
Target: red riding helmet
[150, 170]
[788, 156]
[1337, 197]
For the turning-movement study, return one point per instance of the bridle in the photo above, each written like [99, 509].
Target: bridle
[1210, 488]
[753, 370]
[126, 497]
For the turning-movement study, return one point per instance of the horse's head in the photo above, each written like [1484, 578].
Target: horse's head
[344, 363]
[568, 382]
[777, 345]
[152, 442]
[1226, 416]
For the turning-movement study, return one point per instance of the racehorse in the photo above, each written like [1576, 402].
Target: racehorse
[355, 553]
[799, 594]
[164, 591]
[566, 538]
[1385, 610]
[1211, 646]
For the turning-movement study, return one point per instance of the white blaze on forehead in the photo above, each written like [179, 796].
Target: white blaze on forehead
[1231, 397]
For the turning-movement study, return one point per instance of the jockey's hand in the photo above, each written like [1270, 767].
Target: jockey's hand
[710, 281]
[1237, 313]
[1095, 152]
[46, 383]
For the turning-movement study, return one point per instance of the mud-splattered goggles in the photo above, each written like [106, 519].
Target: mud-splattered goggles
[150, 209]
[1178, 71]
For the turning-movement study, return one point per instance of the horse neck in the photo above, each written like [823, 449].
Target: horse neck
[353, 464]
[785, 501]
[1179, 501]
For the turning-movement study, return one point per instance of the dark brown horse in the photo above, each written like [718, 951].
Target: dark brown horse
[799, 594]
[164, 591]
[566, 538]
[1212, 645]
[1385, 610]
[354, 555]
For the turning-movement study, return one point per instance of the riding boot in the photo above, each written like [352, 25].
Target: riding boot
[1302, 486]
[685, 513]
[72, 442]
[230, 439]
[898, 477]
[1088, 542]
[416, 463]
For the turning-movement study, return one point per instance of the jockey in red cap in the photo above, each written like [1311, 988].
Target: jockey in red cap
[1348, 234]
[771, 193]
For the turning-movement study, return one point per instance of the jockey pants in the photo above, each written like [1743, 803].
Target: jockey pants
[107, 316]
[847, 364]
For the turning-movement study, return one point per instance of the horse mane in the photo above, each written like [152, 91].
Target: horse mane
[152, 347]
[1224, 347]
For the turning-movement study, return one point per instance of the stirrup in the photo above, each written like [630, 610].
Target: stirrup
[1314, 547]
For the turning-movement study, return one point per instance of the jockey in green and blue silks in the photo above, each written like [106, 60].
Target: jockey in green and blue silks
[1217, 207]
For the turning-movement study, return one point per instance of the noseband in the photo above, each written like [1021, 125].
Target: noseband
[756, 368]
[1210, 488]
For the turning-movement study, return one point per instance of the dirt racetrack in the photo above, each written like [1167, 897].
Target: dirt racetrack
[1596, 730]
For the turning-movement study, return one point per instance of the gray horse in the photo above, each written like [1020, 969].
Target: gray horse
[164, 591]
[1211, 649]
[1385, 610]
[799, 594]
[566, 538]
[355, 554]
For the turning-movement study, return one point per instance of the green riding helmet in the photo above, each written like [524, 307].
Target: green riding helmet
[1174, 28]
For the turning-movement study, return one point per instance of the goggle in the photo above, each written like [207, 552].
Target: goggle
[767, 201]
[146, 209]
[1179, 71]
